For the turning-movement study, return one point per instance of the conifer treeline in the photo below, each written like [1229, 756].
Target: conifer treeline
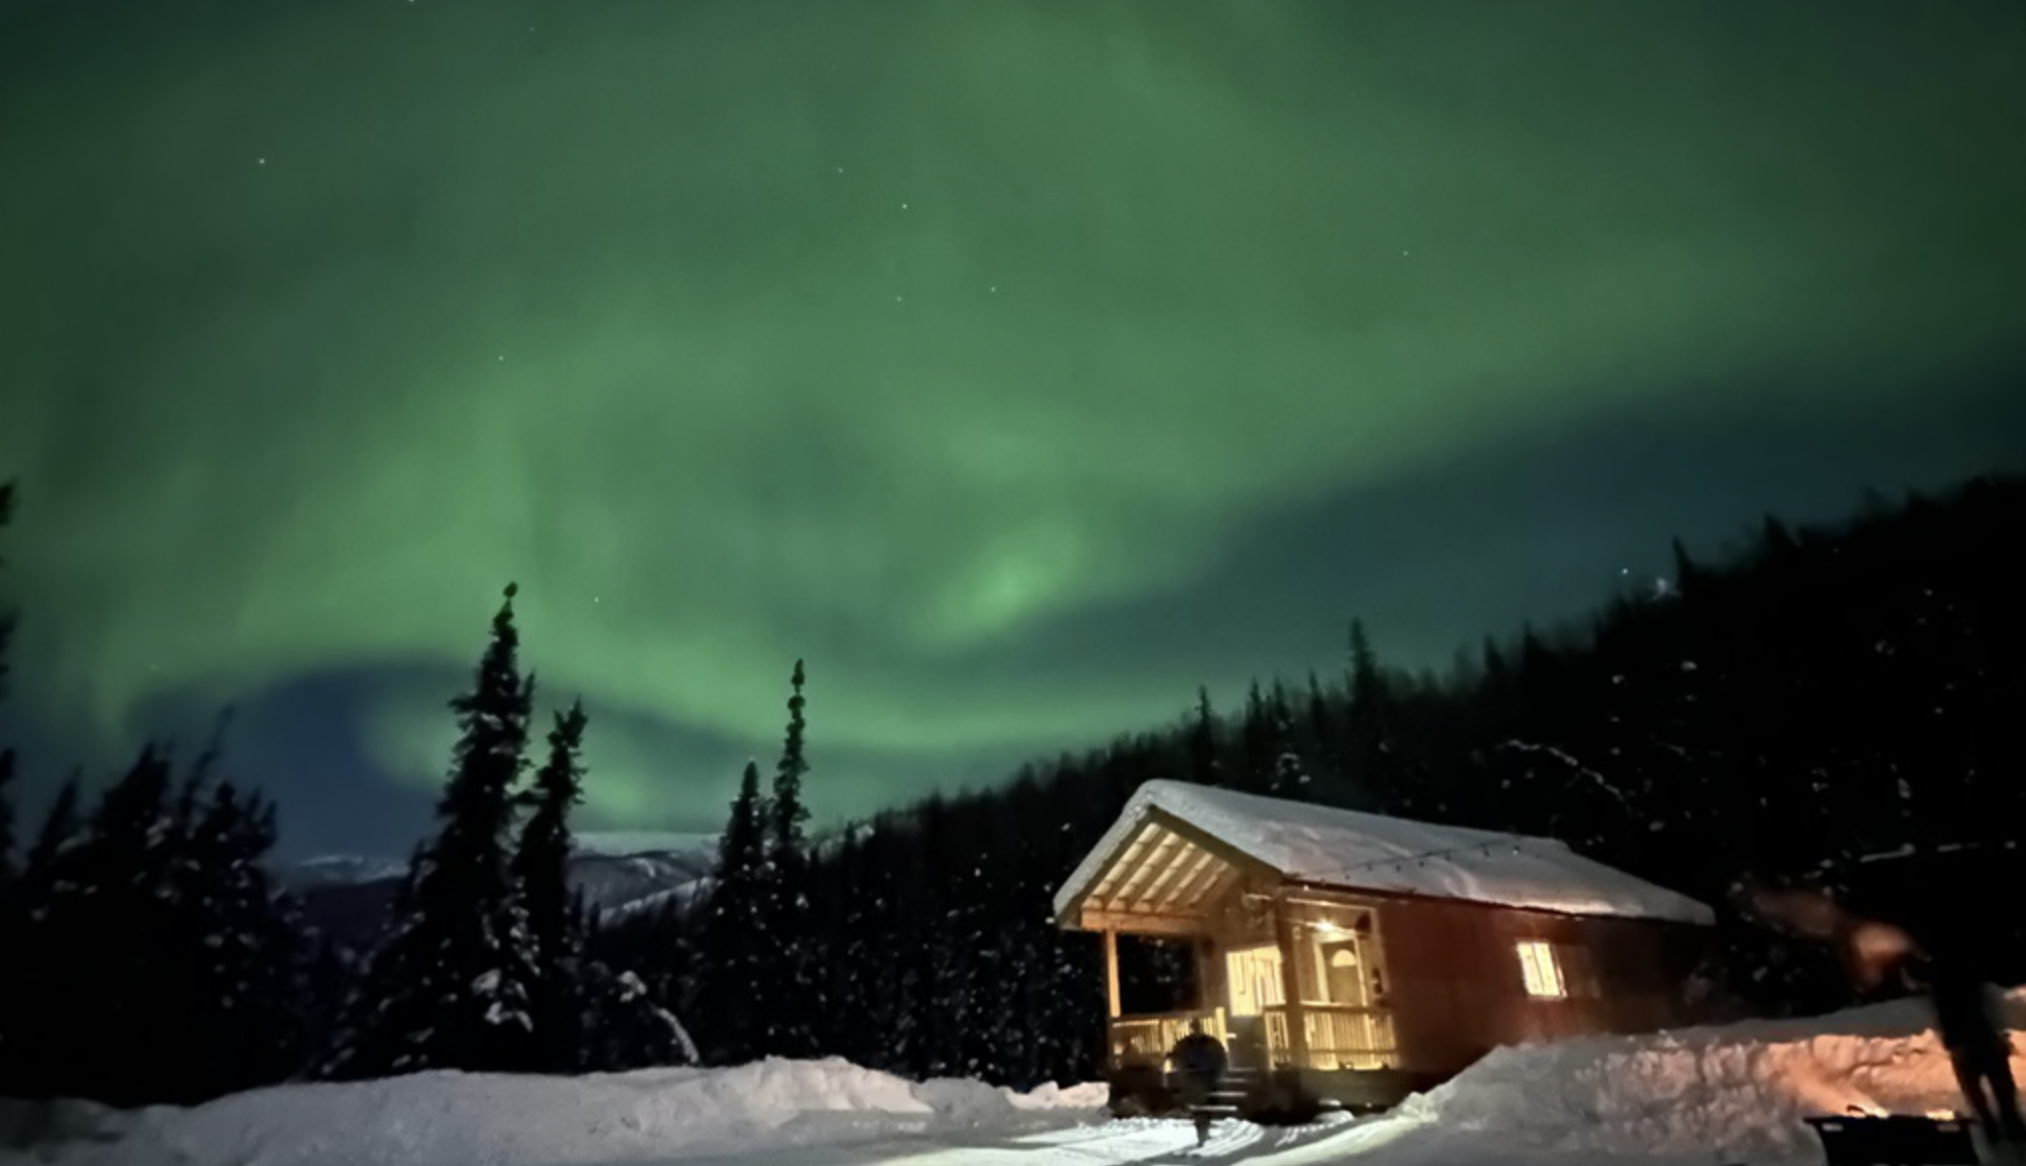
[1824, 696]
[151, 959]
[753, 967]
[482, 965]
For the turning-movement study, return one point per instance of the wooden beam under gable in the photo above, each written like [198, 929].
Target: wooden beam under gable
[1168, 862]
[1136, 923]
[1192, 891]
[1188, 874]
[1137, 870]
[1245, 863]
[1074, 909]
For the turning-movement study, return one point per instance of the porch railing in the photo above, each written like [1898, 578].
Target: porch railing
[1339, 1036]
[1145, 1040]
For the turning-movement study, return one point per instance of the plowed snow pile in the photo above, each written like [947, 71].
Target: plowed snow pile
[1735, 1091]
[458, 1119]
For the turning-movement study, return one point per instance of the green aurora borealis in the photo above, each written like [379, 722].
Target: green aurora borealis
[920, 338]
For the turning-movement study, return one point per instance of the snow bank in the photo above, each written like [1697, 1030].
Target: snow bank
[48, 1123]
[1736, 1091]
[456, 1119]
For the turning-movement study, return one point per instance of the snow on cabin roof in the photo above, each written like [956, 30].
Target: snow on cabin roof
[1324, 846]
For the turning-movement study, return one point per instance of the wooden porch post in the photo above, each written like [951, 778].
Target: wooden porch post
[1289, 941]
[1111, 970]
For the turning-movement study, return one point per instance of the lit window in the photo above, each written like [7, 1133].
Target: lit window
[1543, 974]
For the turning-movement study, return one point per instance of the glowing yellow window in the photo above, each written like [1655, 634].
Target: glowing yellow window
[1543, 974]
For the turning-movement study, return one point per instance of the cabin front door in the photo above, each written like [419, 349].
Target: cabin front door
[1253, 974]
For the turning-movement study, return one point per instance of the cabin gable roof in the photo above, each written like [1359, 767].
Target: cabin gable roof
[1347, 850]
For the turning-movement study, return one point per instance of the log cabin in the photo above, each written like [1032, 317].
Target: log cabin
[1369, 956]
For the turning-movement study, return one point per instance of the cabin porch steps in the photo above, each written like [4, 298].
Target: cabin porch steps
[1227, 1098]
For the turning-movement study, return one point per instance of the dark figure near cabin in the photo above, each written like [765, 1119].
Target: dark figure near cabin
[1197, 1061]
[1979, 1047]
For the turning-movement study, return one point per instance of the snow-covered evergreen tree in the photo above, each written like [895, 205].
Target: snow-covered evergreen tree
[13, 914]
[8, 867]
[248, 944]
[450, 984]
[102, 946]
[791, 992]
[1258, 741]
[1371, 709]
[733, 930]
[13, 917]
[624, 1028]
[1205, 765]
[541, 866]
[60, 826]
[1290, 776]
[7, 860]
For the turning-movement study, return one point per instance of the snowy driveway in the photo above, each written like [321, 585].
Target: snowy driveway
[1121, 1143]
[1368, 1142]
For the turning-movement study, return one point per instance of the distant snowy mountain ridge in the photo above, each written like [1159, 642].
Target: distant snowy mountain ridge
[362, 868]
[620, 872]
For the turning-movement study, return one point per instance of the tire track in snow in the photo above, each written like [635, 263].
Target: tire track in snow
[1134, 1142]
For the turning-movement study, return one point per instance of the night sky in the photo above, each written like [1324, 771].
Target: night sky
[1022, 365]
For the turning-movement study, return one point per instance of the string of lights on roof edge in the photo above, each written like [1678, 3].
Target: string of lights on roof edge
[1421, 858]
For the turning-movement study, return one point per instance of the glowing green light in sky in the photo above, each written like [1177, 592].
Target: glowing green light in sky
[885, 334]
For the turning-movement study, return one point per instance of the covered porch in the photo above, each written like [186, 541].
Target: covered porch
[1287, 977]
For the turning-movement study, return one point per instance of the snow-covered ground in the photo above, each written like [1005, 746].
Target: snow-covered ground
[1702, 1096]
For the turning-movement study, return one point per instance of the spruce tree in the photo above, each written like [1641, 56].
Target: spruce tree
[1325, 732]
[449, 985]
[787, 814]
[1368, 726]
[733, 931]
[13, 908]
[6, 752]
[791, 1004]
[244, 1012]
[1290, 778]
[60, 825]
[625, 1027]
[1258, 742]
[108, 951]
[29, 975]
[1367, 683]
[1204, 766]
[13, 913]
[8, 870]
[541, 866]
[6, 617]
